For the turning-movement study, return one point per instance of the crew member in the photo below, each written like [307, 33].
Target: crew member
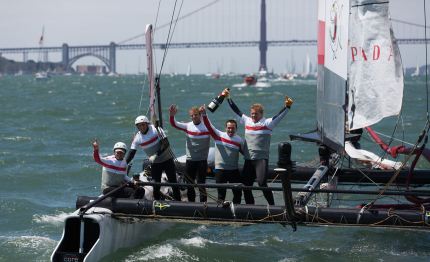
[114, 172]
[154, 143]
[258, 131]
[227, 148]
[197, 148]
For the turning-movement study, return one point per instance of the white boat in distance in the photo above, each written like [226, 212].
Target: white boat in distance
[41, 76]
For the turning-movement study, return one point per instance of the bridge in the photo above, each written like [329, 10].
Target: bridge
[108, 53]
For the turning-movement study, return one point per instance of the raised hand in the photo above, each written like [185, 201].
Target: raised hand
[95, 144]
[226, 92]
[173, 110]
[202, 110]
[288, 101]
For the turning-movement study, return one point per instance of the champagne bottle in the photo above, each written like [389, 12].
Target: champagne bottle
[214, 104]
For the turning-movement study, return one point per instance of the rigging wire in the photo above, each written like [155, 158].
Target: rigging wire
[396, 139]
[409, 23]
[153, 34]
[170, 35]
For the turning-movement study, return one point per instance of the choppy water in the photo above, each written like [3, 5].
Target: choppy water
[45, 159]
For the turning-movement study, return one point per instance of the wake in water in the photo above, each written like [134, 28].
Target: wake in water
[56, 220]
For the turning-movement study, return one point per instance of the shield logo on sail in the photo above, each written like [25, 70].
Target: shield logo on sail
[334, 27]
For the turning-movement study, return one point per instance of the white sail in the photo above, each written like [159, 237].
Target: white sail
[307, 67]
[360, 77]
[336, 36]
[416, 72]
[150, 67]
[188, 70]
[376, 74]
[332, 70]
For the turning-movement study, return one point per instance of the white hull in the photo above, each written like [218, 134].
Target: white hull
[258, 85]
[113, 234]
[41, 76]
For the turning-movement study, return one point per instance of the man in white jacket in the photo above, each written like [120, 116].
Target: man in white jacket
[197, 149]
[114, 172]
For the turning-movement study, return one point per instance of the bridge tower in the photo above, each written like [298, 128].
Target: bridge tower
[263, 37]
[65, 56]
[112, 57]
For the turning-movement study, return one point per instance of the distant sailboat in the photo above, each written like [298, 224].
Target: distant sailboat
[41, 74]
[188, 70]
[416, 72]
[307, 67]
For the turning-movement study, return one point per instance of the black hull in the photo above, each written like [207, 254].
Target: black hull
[349, 175]
[213, 213]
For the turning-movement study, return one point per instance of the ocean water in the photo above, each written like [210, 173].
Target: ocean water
[46, 162]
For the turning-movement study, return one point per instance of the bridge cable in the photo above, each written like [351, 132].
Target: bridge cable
[153, 34]
[168, 24]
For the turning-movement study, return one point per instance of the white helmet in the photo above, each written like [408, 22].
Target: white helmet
[120, 145]
[141, 119]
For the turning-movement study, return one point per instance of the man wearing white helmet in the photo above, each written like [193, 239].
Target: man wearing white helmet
[114, 172]
[156, 149]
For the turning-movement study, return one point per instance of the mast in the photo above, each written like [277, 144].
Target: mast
[41, 39]
[263, 37]
[151, 77]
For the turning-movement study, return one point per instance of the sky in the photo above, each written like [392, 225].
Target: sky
[90, 22]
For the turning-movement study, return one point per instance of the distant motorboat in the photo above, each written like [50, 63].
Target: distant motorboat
[285, 77]
[112, 74]
[253, 81]
[41, 76]
[215, 75]
[250, 80]
[262, 82]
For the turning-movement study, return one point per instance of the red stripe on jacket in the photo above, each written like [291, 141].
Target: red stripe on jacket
[97, 158]
[172, 122]
[256, 128]
[149, 141]
[215, 136]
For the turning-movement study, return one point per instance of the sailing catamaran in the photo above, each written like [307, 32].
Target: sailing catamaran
[357, 54]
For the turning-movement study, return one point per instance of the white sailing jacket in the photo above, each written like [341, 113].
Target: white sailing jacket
[226, 148]
[258, 135]
[150, 143]
[198, 139]
[114, 171]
